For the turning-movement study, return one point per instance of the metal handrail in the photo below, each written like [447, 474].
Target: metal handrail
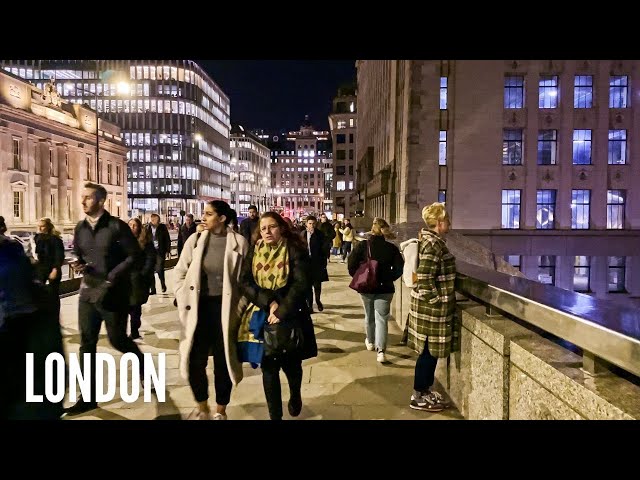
[602, 328]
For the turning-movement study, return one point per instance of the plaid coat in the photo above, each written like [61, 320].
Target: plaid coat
[432, 316]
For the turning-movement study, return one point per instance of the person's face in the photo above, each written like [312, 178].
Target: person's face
[42, 227]
[253, 213]
[188, 221]
[444, 226]
[311, 226]
[90, 205]
[323, 218]
[270, 231]
[212, 221]
[133, 225]
[155, 221]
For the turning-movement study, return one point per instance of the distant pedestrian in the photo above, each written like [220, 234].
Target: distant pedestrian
[162, 243]
[141, 277]
[185, 231]
[250, 224]
[50, 252]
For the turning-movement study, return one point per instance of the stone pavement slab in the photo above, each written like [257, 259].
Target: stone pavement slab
[343, 383]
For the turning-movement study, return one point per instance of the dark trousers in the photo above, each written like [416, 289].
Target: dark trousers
[292, 368]
[90, 317]
[425, 370]
[206, 338]
[135, 312]
[346, 249]
[317, 287]
[160, 271]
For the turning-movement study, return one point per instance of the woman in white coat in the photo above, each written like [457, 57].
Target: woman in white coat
[206, 290]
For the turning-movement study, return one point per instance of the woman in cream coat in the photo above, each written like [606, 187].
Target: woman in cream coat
[207, 295]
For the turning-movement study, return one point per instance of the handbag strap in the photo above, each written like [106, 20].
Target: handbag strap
[368, 249]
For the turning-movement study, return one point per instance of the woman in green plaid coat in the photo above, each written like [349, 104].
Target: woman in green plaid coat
[433, 304]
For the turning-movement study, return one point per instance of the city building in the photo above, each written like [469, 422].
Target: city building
[343, 126]
[250, 172]
[301, 171]
[536, 159]
[174, 119]
[47, 154]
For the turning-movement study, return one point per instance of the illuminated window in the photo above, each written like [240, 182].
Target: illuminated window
[511, 147]
[582, 147]
[617, 147]
[513, 91]
[443, 93]
[546, 209]
[581, 273]
[580, 207]
[442, 150]
[510, 208]
[618, 91]
[547, 147]
[617, 274]
[548, 91]
[547, 269]
[616, 200]
[583, 91]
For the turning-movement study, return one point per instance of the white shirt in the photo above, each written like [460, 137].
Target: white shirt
[309, 241]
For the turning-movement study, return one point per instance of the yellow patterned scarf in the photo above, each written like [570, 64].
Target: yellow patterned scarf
[271, 271]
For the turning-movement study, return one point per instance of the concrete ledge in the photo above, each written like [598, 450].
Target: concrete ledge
[505, 371]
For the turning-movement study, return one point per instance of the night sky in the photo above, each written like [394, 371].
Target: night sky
[277, 94]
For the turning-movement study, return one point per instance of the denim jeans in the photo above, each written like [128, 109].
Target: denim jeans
[376, 315]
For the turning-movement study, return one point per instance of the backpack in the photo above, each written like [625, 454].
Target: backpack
[409, 251]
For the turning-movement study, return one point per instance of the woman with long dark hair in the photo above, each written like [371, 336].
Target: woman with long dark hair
[50, 253]
[275, 280]
[141, 276]
[207, 294]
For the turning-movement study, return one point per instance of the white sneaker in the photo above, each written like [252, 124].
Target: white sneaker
[368, 345]
[381, 358]
[197, 414]
[220, 416]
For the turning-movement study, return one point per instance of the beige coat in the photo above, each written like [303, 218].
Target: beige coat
[187, 292]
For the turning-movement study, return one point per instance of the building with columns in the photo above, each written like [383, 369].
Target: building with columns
[536, 159]
[47, 154]
[301, 171]
[343, 125]
[250, 172]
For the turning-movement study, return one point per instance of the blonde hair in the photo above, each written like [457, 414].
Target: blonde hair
[434, 213]
[380, 227]
[51, 230]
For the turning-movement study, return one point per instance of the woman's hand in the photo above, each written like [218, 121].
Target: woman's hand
[273, 307]
[273, 319]
[53, 274]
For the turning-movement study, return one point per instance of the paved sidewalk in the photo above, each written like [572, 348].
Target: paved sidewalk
[343, 383]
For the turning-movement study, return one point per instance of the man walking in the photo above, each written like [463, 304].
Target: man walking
[106, 250]
[249, 224]
[162, 243]
[329, 234]
[314, 241]
[186, 230]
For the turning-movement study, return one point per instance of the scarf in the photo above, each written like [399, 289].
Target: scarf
[270, 269]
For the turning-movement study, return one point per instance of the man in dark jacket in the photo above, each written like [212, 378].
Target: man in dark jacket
[106, 250]
[249, 224]
[186, 230]
[314, 242]
[329, 233]
[162, 243]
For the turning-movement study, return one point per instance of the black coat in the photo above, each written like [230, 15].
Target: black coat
[50, 252]
[142, 276]
[110, 252]
[162, 235]
[247, 227]
[390, 261]
[29, 323]
[318, 255]
[291, 299]
[183, 235]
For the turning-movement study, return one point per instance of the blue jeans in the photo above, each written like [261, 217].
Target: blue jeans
[376, 315]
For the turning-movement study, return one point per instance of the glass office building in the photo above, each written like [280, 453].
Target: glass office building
[174, 120]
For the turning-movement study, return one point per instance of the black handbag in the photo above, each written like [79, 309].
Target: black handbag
[281, 339]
